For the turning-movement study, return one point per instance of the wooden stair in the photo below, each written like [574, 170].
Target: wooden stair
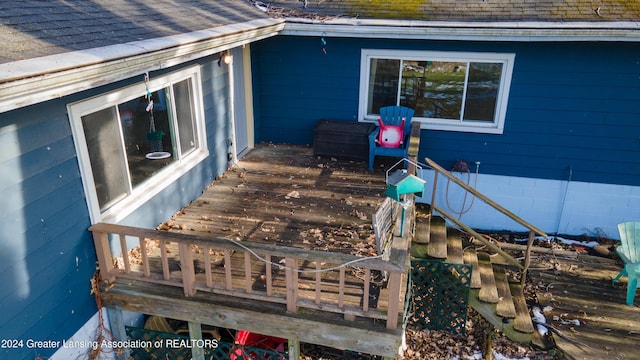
[492, 294]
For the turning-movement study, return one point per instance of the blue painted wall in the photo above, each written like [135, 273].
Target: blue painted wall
[573, 107]
[46, 252]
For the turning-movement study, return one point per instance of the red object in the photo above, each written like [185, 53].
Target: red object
[245, 338]
[390, 135]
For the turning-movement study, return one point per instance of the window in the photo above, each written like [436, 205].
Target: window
[135, 141]
[447, 90]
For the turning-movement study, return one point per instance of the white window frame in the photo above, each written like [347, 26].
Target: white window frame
[495, 127]
[146, 190]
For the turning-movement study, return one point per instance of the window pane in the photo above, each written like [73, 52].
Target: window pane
[482, 91]
[435, 87]
[106, 156]
[184, 113]
[147, 138]
[383, 84]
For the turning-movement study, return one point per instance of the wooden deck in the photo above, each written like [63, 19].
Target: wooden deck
[283, 195]
[262, 249]
[589, 312]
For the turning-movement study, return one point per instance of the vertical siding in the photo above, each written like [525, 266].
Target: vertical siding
[46, 252]
[573, 107]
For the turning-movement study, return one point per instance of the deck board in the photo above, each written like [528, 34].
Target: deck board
[581, 289]
[275, 196]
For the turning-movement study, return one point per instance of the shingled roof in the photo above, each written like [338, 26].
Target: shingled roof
[34, 28]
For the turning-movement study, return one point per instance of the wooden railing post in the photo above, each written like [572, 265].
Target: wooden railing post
[188, 269]
[394, 300]
[292, 284]
[433, 193]
[103, 252]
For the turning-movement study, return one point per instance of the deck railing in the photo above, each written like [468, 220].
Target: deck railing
[299, 278]
[524, 266]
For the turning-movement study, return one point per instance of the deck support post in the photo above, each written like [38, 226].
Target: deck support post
[116, 324]
[195, 333]
[294, 348]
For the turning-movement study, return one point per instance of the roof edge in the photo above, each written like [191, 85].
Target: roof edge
[474, 31]
[30, 81]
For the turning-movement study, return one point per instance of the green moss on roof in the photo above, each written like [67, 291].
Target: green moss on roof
[385, 9]
[474, 10]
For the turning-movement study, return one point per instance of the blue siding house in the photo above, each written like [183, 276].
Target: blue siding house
[542, 100]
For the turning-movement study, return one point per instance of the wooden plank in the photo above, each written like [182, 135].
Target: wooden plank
[292, 285]
[117, 327]
[341, 288]
[488, 292]
[165, 260]
[522, 322]
[261, 248]
[393, 306]
[311, 326]
[228, 281]
[269, 276]
[103, 252]
[505, 306]
[438, 238]
[318, 282]
[125, 253]
[247, 271]
[488, 311]
[581, 289]
[423, 229]
[195, 333]
[454, 246]
[470, 257]
[145, 257]
[294, 348]
[187, 269]
[382, 221]
[366, 291]
[207, 267]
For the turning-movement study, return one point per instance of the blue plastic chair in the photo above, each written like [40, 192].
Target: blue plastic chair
[391, 115]
[629, 252]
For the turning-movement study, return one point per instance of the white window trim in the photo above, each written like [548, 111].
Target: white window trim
[496, 127]
[146, 190]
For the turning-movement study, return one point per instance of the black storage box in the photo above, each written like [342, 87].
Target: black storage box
[342, 139]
